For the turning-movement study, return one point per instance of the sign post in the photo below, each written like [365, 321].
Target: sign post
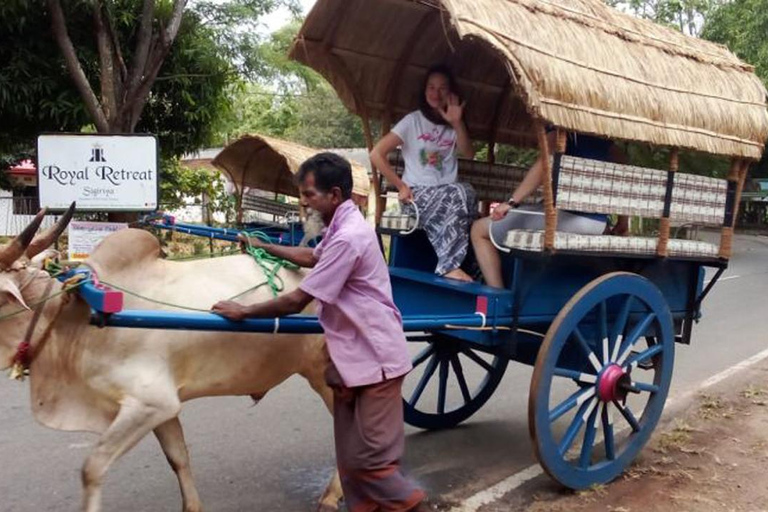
[102, 173]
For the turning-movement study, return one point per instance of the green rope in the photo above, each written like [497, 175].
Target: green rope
[268, 263]
[203, 256]
[171, 304]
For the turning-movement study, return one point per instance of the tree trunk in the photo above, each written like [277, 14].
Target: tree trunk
[123, 93]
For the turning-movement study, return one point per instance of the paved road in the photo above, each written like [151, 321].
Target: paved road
[278, 455]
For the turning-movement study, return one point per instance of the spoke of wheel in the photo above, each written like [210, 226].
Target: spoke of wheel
[424, 355]
[642, 356]
[630, 340]
[574, 428]
[587, 351]
[603, 321]
[610, 449]
[642, 386]
[628, 416]
[577, 398]
[589, 440]
[476, 358]
[459, 371]
[428, 371]
[585, 378]
[443, 383]
[619, 326]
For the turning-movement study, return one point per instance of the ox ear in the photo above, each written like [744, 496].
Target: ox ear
[11, 292]
[47, 238]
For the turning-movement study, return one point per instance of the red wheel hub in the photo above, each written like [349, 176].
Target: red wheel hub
[609, 386]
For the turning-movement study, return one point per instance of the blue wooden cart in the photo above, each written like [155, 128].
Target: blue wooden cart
[597, 317]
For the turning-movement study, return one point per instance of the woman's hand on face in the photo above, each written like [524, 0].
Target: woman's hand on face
[500, 211]
[453, 111]
[405, 194]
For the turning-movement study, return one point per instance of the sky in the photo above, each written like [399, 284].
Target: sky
[280, 17]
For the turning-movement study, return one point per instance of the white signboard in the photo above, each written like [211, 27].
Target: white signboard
[100, 172]
[85, 236]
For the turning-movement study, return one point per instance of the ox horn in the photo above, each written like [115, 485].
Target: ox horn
[47, 238]
[16, 248]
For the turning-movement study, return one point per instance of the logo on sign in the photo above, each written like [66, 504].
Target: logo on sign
[97, 155]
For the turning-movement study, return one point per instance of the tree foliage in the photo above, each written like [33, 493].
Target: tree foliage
[742, 25]
[291, 101]
[187, 78]
[687, 16]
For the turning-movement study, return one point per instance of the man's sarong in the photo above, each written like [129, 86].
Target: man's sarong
[370, 439]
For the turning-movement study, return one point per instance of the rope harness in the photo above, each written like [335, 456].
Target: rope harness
[27, 350]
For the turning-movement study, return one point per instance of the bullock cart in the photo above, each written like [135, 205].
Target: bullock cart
[598, 317]
[262, 169]
[266, 166]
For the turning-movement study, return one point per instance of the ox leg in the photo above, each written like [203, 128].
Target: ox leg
[171, 438]
[134, 420]
[329, 501]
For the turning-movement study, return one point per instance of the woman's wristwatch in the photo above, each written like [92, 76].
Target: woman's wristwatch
[513, 203]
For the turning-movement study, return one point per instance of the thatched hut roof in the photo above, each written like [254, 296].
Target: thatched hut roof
[576, 64]
[266, 163]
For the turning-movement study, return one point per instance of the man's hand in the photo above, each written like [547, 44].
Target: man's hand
[405, 194]
[230, 309]
[246, 242]
[500, 211]
[622, 226]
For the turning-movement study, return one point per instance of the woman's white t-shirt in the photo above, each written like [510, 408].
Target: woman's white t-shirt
[429, 151]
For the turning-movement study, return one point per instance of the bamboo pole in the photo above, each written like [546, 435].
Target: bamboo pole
[561, 141]
[550, 214]
[662, 247]
[737, 175]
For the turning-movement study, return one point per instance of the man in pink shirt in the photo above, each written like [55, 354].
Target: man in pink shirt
[364, 334]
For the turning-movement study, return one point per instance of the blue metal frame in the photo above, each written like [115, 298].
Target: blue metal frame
[289, 235]
[539, 284]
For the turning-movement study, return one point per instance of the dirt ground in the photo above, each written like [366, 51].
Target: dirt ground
[712, 456]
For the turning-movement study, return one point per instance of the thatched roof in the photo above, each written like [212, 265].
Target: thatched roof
[266, 163]
[576, 64]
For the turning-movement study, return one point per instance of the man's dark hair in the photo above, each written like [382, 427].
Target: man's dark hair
[330, 170]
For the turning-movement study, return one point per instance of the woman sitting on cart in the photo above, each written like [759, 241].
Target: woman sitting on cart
[431, 139]
[514, 215]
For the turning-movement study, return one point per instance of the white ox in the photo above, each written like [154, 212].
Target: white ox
[125, 383]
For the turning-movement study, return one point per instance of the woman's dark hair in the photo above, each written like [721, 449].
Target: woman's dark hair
[330, 170]
[429, 112]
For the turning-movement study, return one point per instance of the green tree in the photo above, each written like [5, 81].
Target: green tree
[187, 59]
[290, 100]
[742, 25]
[322, 121]
[688, 16]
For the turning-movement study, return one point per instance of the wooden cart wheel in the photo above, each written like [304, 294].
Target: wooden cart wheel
[601, 379]
[450, 381]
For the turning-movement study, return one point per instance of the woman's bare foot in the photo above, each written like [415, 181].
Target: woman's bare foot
[459, 275]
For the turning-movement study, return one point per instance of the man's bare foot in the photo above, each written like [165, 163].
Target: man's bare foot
[459, 275]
